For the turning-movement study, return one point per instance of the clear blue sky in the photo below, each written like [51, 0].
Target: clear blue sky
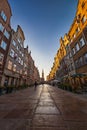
[43, 23]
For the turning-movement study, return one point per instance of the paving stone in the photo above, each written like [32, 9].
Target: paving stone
[48, 120]
[46, 103]
[47, 128]
[47, 110]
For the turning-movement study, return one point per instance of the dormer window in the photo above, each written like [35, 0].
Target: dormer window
[83, 4]
[4, 17]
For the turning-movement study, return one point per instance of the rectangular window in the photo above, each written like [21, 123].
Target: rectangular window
[72, 66]
[85, 58]
[77, 47]
[18, 48]
[4, 17]
[3, 45]
[19, 60]
[70, 55]
[77, 30]
[1, 27]
[6, 34]
[16, 57]
[22, 55]
[81, 42]
[12, 53]
[84, 19]
[73, 51]
[20, 71]
[10, 65]
[76, 63]
[80, 61]
[14, 43]
[14, 67]
[1, 58]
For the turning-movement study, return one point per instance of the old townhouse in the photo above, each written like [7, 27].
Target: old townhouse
[13, 72]
[5, 34]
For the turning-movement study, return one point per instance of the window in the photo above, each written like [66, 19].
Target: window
[84, 19]
[77, 30]
[76, 63]
[6, 34]
[3, 45]
[77, 47]
[14, 67]
[1, 58]
[1, 27]
[19, 60]
[83, 4]
[18, 48]
[20, 71]
[14, 43]
[82, 42]
[72, 66]
[73, 51]
[22, 55]
[12, 53]
[67, 49]
[3, 16]
[25, 65]
[85, 58]
[19, 40]
[10, 65]
[16, 57]
[70, 55]
[80, 61]
[74, 35]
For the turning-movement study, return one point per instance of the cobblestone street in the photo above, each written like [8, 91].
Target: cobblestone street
[46, 108]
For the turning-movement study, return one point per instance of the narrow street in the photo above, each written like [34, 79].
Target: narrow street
[46, 108]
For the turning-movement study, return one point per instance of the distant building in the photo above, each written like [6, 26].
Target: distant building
[36, 74]
[42, 78]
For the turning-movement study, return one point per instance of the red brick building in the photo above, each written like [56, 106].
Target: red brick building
[5, 33]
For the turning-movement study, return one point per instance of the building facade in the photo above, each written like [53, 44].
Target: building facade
[16, 63]
[72, 53]
[5, 34]
[13, 72]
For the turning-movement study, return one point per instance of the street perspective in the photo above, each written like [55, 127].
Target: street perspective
[43, 64]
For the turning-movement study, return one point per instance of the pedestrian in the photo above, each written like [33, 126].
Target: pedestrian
[35, 84]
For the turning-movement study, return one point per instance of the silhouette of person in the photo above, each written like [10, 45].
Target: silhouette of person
[35, 84]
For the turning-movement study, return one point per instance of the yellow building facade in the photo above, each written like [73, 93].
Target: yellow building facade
[77, 26]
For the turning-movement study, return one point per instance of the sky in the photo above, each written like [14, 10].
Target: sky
[43, 23]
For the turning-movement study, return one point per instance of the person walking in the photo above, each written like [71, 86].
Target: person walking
[35, 84]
